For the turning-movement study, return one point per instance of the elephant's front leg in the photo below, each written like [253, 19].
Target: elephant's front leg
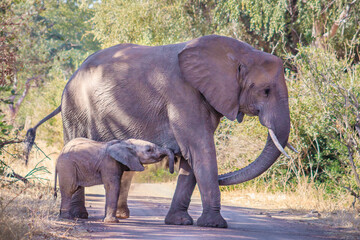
[178, 214]
[122, 207]
[78, 209]
[206, 173]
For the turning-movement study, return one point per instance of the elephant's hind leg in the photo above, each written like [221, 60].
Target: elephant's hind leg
[178, 214]
[78, 209]
[66, 191]
[122, 207]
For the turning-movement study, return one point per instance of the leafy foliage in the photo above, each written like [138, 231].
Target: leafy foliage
[331, 95]
[44, 42]
[151, 22]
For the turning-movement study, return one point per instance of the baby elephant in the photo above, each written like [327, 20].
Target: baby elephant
[84, 162]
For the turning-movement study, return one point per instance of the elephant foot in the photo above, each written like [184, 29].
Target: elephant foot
[178, 218]
[65, 215]
[79, 213]
[211, 219]
[111, 220]
[123, 212]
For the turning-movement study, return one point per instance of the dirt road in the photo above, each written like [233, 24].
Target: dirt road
[149, 204]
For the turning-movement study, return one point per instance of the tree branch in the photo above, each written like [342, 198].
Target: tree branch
[343, 15]
[318, 28]
[352, 193]
[17, 176]
[14, 108]
[2, 144]
[353, 166]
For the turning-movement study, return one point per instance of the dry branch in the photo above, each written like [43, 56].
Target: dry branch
[352, 193]
[2, 144]
[353, 166]
[320, 38]
[343, 15]
[17, 176]
[14, 108]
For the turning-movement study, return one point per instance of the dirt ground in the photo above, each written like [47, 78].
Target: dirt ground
[149, 204]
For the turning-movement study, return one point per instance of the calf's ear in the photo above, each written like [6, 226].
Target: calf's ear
[126, 156]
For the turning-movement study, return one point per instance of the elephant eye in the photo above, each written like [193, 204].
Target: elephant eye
[239, 68]
[267, 92]
[148, 149]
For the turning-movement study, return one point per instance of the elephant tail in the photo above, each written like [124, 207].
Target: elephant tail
[31, 134]
[55, 192]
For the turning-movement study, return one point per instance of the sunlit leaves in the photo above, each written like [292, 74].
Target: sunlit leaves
[151, 22]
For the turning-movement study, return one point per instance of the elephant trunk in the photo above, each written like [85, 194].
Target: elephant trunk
[270, 153]
[171, 157]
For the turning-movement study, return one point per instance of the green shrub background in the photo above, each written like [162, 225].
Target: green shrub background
[322, 74]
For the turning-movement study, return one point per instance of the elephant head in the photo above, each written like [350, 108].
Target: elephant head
[237, 79]
[135, 152]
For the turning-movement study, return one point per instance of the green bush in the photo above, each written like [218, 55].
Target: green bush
[325, 97]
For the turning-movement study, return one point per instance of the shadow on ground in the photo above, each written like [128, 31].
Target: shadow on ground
[148, 214]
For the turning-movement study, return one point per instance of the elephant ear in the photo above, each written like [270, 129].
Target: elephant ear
[125, 155]
[209, 65]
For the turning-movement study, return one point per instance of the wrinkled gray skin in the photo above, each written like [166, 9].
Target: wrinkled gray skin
[174, 96]
[84, 162]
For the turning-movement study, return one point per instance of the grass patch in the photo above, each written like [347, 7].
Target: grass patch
[306, 200]
[156, 173]
[27, 211]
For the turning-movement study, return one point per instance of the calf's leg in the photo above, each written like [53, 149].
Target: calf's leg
[112, 190]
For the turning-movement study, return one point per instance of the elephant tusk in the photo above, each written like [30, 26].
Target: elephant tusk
[277, 144]
[292, 148]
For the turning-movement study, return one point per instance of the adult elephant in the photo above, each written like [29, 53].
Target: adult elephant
[174, 96]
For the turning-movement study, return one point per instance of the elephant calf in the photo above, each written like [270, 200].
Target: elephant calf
[84, 162]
